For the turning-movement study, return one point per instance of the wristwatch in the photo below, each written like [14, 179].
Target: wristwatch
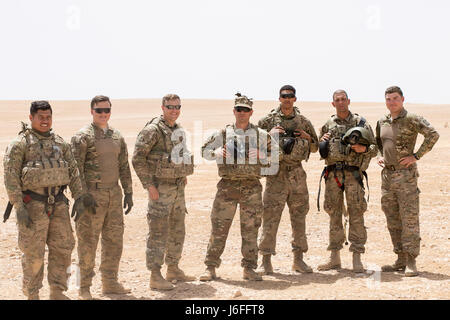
[415, 156]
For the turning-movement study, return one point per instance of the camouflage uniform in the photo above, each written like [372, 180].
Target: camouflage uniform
[288, 185]
[239, 184]
[102, 159]
[351, 181]
[396, 138]
[42, 164]
[151, 161]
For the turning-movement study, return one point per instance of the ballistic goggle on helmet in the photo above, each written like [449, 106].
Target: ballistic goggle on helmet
[357, 135]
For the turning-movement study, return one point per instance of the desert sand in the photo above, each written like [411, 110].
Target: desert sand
[199, 116]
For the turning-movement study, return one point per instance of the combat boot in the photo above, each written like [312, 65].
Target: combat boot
[57, 294]
[411, 269]
[209, 274]
[299, 265]
[333, 263]
[114, 287]
[399, 264]
[84, 294]
[266, 264]
[250, 274]
[157, 282]
[357, 264]
[175, 273]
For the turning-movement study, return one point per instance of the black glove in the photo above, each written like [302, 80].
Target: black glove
[78, 208]
[128, 201]
[89, 203]
[23, 217]
[85, 202]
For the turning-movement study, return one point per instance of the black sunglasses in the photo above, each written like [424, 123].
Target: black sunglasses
[177, 107]
[242, 109]
[102, 110]
[287, 95]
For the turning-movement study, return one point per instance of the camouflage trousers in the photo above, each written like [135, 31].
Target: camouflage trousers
[230, 193]
[57, 233]
[356, 206]
[288, 186]
[400, 204]
[107, 222]
[165, 219]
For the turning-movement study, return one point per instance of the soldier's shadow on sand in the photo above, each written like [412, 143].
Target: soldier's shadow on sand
[283, 281]
[399, 276]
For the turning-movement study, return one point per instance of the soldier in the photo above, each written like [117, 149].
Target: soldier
[396, 139]
[297, 139]
[38, 166]
[102, 158]
[346, 162]
[162, 162]
[239, 184]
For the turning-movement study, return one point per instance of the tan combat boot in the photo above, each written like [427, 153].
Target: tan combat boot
[399, 264]
[411, 269]
[250, 274]
[209, 274]
[357, 264]
[157, 282]
[114, 287]
[333, 263]
[57, 294]
[84, 294]
[300, 265]
[175, 273]
[266, 264]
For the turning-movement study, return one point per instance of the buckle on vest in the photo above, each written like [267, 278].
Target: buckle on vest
[340, 165]
[51, 199]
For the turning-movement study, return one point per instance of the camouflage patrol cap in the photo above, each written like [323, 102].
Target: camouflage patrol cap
[242, 101]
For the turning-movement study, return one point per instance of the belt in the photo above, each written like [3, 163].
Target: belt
[99, 185]
[394, 168]
[290, 167]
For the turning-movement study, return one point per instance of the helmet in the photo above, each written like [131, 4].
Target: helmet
[357, 135]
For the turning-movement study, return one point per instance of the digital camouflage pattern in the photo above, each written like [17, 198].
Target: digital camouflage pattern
[85, 144]
[231, 192]
[27, 149]
[242, 166]
[243, 101]
[102, 157]
[165, 218]
[166, 215]
[293, 122]
[337, 127]
[289, 184]
[354, 192]
[408, 126]
[153, 145]
[399, 191]
[237, 186]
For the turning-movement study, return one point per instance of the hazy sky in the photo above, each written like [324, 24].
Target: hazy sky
[65, 49]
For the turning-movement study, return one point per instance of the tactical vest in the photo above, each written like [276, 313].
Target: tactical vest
[301, 149]
[237, 170]
[44, 163]
[337, 152]
[161, 163]
[101, 164]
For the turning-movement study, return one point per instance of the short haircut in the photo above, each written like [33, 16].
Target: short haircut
[40, 105]
[394, 89]
[168, 97]
[340, 91]
[287, 87]
[98, 99]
